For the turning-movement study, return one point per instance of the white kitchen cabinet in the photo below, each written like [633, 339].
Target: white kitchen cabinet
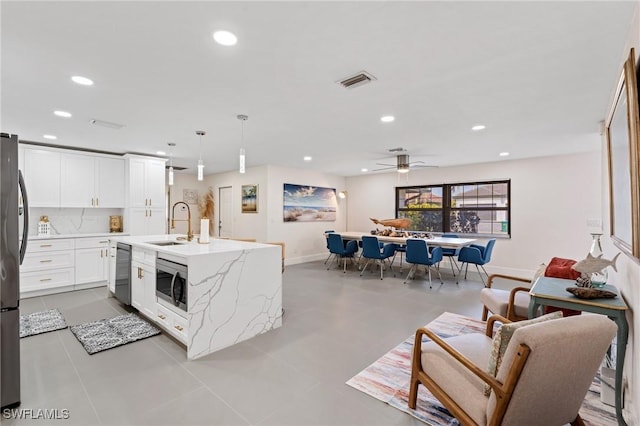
[143, 282]
[146, 182]
[110, 188]
[48, 267]
[92, 260]
[113, 249]
[91, 181]
[146, 212]
[175, 324]
[144, 221]
[42, 177]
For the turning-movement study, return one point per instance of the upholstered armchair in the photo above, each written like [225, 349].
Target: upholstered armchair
[512, 304]
[545, 371]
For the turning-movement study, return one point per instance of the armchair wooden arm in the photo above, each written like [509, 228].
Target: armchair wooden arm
[506, 277]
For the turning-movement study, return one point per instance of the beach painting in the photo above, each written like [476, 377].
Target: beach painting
[249, 198]
[309, 203]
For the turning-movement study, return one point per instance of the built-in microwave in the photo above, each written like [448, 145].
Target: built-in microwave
[172, 283]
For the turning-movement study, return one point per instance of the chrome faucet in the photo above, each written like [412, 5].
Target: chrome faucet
[188, 220]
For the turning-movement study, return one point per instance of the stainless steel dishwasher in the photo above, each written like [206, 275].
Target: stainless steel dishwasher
[123, 273]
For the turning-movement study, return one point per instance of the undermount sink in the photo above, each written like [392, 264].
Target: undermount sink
[166, 243]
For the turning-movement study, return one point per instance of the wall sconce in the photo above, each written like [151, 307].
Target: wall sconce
[342, 194]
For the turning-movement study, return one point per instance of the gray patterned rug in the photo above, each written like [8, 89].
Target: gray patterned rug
[109, 333]
[41, 322]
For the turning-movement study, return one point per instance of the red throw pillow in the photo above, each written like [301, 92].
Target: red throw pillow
[561, 268]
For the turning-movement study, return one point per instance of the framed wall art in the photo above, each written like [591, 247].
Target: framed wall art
[309, 203]
[621, 131]
[249, 198]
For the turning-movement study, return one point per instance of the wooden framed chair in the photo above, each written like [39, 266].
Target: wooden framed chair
[545, 373]
[512, 304]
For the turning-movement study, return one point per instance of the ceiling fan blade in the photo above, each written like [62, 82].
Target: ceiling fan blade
[384, 168]
[417, 166]
[385, 164]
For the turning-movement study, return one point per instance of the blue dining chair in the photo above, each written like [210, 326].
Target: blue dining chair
[326, 237]
[478, 255]
[418, 254]
[451, 253]
[341, 250]
[371, 251]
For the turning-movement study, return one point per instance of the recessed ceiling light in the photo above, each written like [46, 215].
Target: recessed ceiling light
[225, 38]
[504, 154]
[364, 170]
[161, 153]
[52, 137]
[387, 118]
[82, 80]
[479, 127]
[64, 114]
[307, 158]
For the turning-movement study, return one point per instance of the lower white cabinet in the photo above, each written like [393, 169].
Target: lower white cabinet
[113, 249]
[92, 260]
[174, 323]
[48, 266]
[143, 282]
[64, 264]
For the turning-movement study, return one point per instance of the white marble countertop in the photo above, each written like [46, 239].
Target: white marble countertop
[89, 235]
[187, 248]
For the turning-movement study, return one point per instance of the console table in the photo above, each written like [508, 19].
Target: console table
[551, 292]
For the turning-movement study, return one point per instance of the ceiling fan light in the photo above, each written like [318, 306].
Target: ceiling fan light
[200, 170]
[170, 176]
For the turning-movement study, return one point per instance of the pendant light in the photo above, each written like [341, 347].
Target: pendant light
[171, 145]
[200, 133]
[242, 119]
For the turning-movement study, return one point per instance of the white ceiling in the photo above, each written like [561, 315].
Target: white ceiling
[539, 75]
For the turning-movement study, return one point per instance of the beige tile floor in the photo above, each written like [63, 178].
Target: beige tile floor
[335, 325]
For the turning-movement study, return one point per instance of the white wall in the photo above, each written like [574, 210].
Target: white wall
[627, 279]
[182, 181]
[551, 200]
[304, 241]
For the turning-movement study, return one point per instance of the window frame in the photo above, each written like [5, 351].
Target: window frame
[447, 207]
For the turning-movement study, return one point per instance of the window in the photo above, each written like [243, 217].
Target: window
[480, 208]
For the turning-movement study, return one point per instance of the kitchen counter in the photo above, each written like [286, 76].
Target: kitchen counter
[58, 236]
[234, 289]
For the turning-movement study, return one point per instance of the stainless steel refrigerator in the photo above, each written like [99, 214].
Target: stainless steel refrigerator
[13, 203]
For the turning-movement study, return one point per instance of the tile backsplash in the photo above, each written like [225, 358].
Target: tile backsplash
[72, 221]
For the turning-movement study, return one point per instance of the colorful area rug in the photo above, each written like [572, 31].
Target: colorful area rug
[388, 379]
[109, 333]
[41, 322]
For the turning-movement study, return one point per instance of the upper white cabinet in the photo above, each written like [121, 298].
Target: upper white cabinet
[146, 182]
[42, 177]
[91, 181]
[147, 202]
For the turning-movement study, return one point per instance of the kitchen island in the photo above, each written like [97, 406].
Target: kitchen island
[234, 289]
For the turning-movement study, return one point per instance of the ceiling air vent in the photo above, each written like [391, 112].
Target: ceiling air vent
[106, 124]
[356, 80]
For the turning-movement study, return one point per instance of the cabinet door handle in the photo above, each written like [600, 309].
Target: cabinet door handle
[149, 213]
[149, 202]
[45, 245]
[92, 202]
[146, 201]
[46, 261]
[45, 279]
[104, 242]
[161, 316]
[141, 273]
[179, 328]
[97, 202]
[146, 213]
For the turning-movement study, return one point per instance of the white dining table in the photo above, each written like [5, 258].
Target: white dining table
[435, 241]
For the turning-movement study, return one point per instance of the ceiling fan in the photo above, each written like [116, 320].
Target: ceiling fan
[403, 165]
